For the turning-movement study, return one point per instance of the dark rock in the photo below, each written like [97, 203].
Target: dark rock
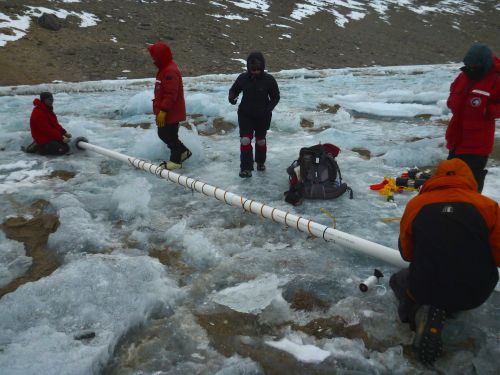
[365, 154]
[329, 108]
[62, 174]
[222, 126]
[85, 335]
[49, 22]
[142, 125]
[424, 116]
[306, 301]
[304, 123]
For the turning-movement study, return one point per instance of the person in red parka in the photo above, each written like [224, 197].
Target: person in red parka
[50, 137]
[168, 104]
[475, 105]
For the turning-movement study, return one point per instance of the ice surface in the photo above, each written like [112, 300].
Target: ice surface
[13, 260]
[225, 258]
[101, 294]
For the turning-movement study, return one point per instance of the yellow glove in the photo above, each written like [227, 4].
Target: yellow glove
[68, 135]
[65, 139]
[160, 119]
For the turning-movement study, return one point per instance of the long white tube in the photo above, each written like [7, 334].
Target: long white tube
[310, 227]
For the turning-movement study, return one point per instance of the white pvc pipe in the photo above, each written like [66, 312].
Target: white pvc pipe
[308, 226]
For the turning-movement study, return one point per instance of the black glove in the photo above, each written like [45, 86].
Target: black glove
[233, 100]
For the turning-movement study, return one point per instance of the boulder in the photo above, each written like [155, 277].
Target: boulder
[49, 22]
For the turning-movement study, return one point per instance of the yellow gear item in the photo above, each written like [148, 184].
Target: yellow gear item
[389, 219]
[389, 188]
[160, 119]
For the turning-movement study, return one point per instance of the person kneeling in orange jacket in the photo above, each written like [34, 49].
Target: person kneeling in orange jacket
[450, 234]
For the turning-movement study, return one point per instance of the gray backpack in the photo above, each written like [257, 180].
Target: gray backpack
[316, 175]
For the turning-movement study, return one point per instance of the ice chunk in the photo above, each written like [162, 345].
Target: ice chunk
[139, 103]
[132, 197]
[78, 232]
[304, 353]
[250, 297]
[103, 294]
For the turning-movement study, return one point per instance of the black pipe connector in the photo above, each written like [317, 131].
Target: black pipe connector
[80, 139]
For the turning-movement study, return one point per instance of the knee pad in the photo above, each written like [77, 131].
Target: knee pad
[261, 142]
[245, 140]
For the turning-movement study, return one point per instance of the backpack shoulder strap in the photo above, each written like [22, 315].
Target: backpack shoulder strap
[338, 171]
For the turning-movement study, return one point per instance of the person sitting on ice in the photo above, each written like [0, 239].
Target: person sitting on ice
[50, 138]
[450, 234]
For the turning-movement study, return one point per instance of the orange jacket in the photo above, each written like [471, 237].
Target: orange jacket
[453, 182]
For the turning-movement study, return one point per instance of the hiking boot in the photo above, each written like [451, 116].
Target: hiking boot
[429, 321]
[261, 167]
[245, 174]
[170, 165]
[185, 155]
[32, 148]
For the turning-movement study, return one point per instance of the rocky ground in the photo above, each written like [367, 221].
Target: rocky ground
[116, 46]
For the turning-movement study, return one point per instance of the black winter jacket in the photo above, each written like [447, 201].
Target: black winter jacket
[260, 93]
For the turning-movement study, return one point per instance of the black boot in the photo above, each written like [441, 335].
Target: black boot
[246, 160]
[429, 322]
[185, 155]
[245, 173]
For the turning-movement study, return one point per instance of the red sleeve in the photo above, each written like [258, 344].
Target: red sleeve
[170, 87]
[58, 126]
[41, 123]
[494, 105]
[453, 101]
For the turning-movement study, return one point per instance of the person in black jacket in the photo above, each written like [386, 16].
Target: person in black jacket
[260, 95]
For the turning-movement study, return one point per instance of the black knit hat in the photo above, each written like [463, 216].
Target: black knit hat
[46, 95]
[479, 55]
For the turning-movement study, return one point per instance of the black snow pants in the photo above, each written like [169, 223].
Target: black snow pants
[169, 134]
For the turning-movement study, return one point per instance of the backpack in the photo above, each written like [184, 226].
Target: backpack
[316, 175]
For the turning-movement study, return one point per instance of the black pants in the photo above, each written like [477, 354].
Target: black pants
[53, 148]
[400, 283]
[169, 134]
[476, 163]
[253, 126]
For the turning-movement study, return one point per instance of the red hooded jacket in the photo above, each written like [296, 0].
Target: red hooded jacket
[475, 105]
[169, 91]
[44, 125]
